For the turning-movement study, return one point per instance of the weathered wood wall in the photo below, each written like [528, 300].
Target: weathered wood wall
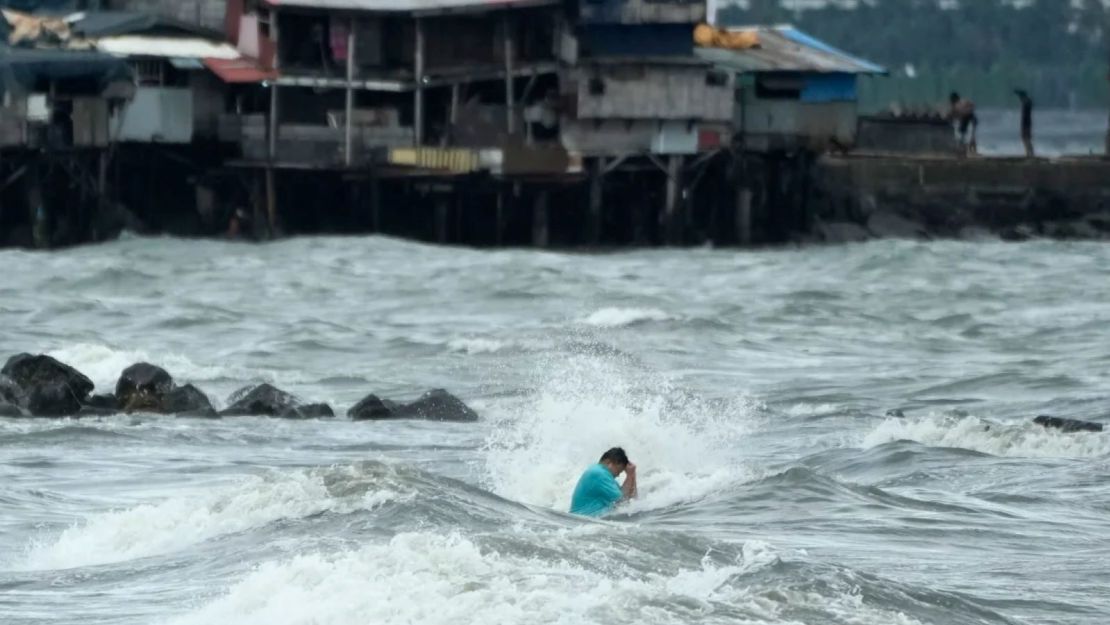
[643, 92]
[206, 13]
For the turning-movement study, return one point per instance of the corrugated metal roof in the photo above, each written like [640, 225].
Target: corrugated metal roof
[166, 47]
[787, 49]
[411, 6]
[241, 70]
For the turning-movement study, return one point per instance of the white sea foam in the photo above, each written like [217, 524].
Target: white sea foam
[1024, 440]
[103, 364]
[189, 519]
[616, 317]
[477, 345]
[587, 404]
[430, 578]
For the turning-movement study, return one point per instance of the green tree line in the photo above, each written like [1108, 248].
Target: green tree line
[1058, 50]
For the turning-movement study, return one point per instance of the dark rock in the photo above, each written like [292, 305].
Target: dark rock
[1067, 425]
[316, 411]
[896, 413]
[34, 372]
[371, 408]
[888, 225]
[842, 232]
[436, 405]
[53, 400]
[142, 387]
[188, 401]
[262, 400]
[11, 410]
[10, 391]
[103, 402]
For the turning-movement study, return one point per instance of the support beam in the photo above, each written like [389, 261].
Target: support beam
[670, 210]
[499, 223]
[273, 121]
[348, 143]
[418, 92]
[744, 216]
[541, 233]
[271, 203]
[510, 97]
[597, 196]
[452, 116]
[442, 204]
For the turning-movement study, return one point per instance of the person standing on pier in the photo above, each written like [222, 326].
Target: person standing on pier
[1026, 121]
[962, 112]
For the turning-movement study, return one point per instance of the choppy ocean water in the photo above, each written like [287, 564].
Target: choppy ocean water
[750, 387]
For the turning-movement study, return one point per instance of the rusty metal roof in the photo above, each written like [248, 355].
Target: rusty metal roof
[242, 70]
[786, 49]
[411, 6]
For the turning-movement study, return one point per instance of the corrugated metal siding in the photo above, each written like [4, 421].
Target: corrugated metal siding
[646, 92]
[206, 13]
[784, 48]
[157, 114]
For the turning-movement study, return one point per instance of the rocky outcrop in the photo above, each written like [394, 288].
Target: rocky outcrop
[45, 386]
[311, 411]
[53, 399]
[187, 401]
[11, 410]
[266, 400]
[370, 408]
[436, 405]
[142, 387]
[1067, 425]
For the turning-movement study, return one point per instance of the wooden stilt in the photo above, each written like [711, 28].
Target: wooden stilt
[375, 204]
[510, 97]
[441, 218]
[671, 218]
[597, 196]
[499, 224]
[418, 93]
[271, 203]
[348, 128]
[540, 219]
[744, 216]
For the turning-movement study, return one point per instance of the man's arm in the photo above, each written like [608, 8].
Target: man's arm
[628, 489]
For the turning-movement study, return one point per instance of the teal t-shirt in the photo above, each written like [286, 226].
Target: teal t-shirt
[597, 492]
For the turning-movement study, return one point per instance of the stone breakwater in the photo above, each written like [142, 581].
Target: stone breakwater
[42, 386]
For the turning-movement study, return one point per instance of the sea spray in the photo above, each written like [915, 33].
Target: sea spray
[591, 399]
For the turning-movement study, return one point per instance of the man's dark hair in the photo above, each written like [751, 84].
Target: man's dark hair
[953, 97]
[615, 455]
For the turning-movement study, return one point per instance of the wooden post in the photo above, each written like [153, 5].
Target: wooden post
[375, 203]
[350, 104]
[597, 195]
[744, 216]
[36, 204]
[510, 98]
[452, 116]
[499, 225]
[674, 186]
[273, 121]
[418, 95]
[541, 235]
[441, 218]
[271, 203]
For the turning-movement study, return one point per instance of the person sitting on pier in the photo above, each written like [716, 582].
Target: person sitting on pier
[962, 112]
[597, 490]
[1026, 121]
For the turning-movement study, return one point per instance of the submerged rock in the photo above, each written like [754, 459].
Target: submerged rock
[370, 408]
[142, 387]
[436, 405]
[890, 225]
[842, 232]
[103, 402]
[1067, 425]
[309, 411]
[262, 400]
[47, 387]
[187, 401]
[895, 413]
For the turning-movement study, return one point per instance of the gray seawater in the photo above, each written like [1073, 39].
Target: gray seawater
[751, 388]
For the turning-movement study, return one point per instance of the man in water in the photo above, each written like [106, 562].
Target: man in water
[597, 491]
[962, 112]
[1026, 121]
